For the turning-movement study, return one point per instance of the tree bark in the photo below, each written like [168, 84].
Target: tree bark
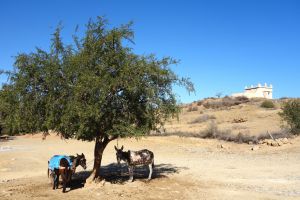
[100, 145]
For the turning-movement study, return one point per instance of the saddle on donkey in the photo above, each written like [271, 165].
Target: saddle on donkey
[54, 162]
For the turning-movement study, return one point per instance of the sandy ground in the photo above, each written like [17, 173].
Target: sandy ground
[186, 168]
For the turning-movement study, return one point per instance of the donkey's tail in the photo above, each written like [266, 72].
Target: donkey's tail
[48, 169]
[152, 160]
[153, 164]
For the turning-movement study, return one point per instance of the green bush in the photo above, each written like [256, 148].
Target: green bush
[267, 104]
[291, 114]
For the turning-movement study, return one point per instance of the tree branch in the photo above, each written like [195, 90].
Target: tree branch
[112, 138]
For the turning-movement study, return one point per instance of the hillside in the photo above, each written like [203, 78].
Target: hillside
[232, 117]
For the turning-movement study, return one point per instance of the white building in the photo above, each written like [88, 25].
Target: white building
[258, 91]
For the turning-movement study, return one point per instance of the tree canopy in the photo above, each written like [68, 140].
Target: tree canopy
[96, 88]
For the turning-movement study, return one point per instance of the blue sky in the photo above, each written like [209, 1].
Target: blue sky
[222, 45]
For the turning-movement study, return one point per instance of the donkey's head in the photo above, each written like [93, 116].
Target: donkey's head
[119, 154]
[80, 160]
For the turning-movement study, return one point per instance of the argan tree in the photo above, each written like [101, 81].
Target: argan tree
[97, 89]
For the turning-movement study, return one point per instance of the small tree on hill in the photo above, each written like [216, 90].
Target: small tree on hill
[219, 94]
[98, 90]
[267, 104]
[291, 114]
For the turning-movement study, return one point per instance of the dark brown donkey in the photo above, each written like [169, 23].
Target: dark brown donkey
[64, 166]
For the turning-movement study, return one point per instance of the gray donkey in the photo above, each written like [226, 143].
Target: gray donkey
[133, 158]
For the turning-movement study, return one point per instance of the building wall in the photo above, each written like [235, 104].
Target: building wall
[258, 91]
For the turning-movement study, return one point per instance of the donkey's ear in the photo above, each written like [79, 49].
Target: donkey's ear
[82, 154]
[122, 148]
[77, 154]
[116, 148]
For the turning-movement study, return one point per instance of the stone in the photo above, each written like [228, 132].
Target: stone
[274, 144]
[269, 141]
[221, 146]
[239, 120]
[284, 140]
[279, 142]
[254, 148]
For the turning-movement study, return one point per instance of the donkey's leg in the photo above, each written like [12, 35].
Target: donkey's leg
[130, 169]
[64, 185]
[53, 177]
[150, 171]
[57, 179]
[69, 178]
[64, 179]
[69, 175]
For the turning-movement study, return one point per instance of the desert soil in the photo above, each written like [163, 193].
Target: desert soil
[186, 168]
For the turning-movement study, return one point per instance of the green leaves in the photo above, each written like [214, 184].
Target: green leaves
[97, 88]
[291, 114]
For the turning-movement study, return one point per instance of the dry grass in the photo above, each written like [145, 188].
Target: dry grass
[202, 118]
[238, 127]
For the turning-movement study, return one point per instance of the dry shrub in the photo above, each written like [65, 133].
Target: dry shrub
[192, 108]
[202, 118]
[242, 99]
[225, 102]
[242, 137]
[238, 127]
[239, 120]
[267, 104]
[284, 98]
[213, 132]
[283, 133]
[175, 133]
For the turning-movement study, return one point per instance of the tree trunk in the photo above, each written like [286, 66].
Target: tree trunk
[100, 145]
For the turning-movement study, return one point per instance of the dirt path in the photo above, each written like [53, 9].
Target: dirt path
[186, 168]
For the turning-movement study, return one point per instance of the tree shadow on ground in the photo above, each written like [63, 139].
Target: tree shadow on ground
[118, 174]
[6, 138]
[78, 180]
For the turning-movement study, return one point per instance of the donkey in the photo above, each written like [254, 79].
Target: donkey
[64, 166]
[133, 158]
